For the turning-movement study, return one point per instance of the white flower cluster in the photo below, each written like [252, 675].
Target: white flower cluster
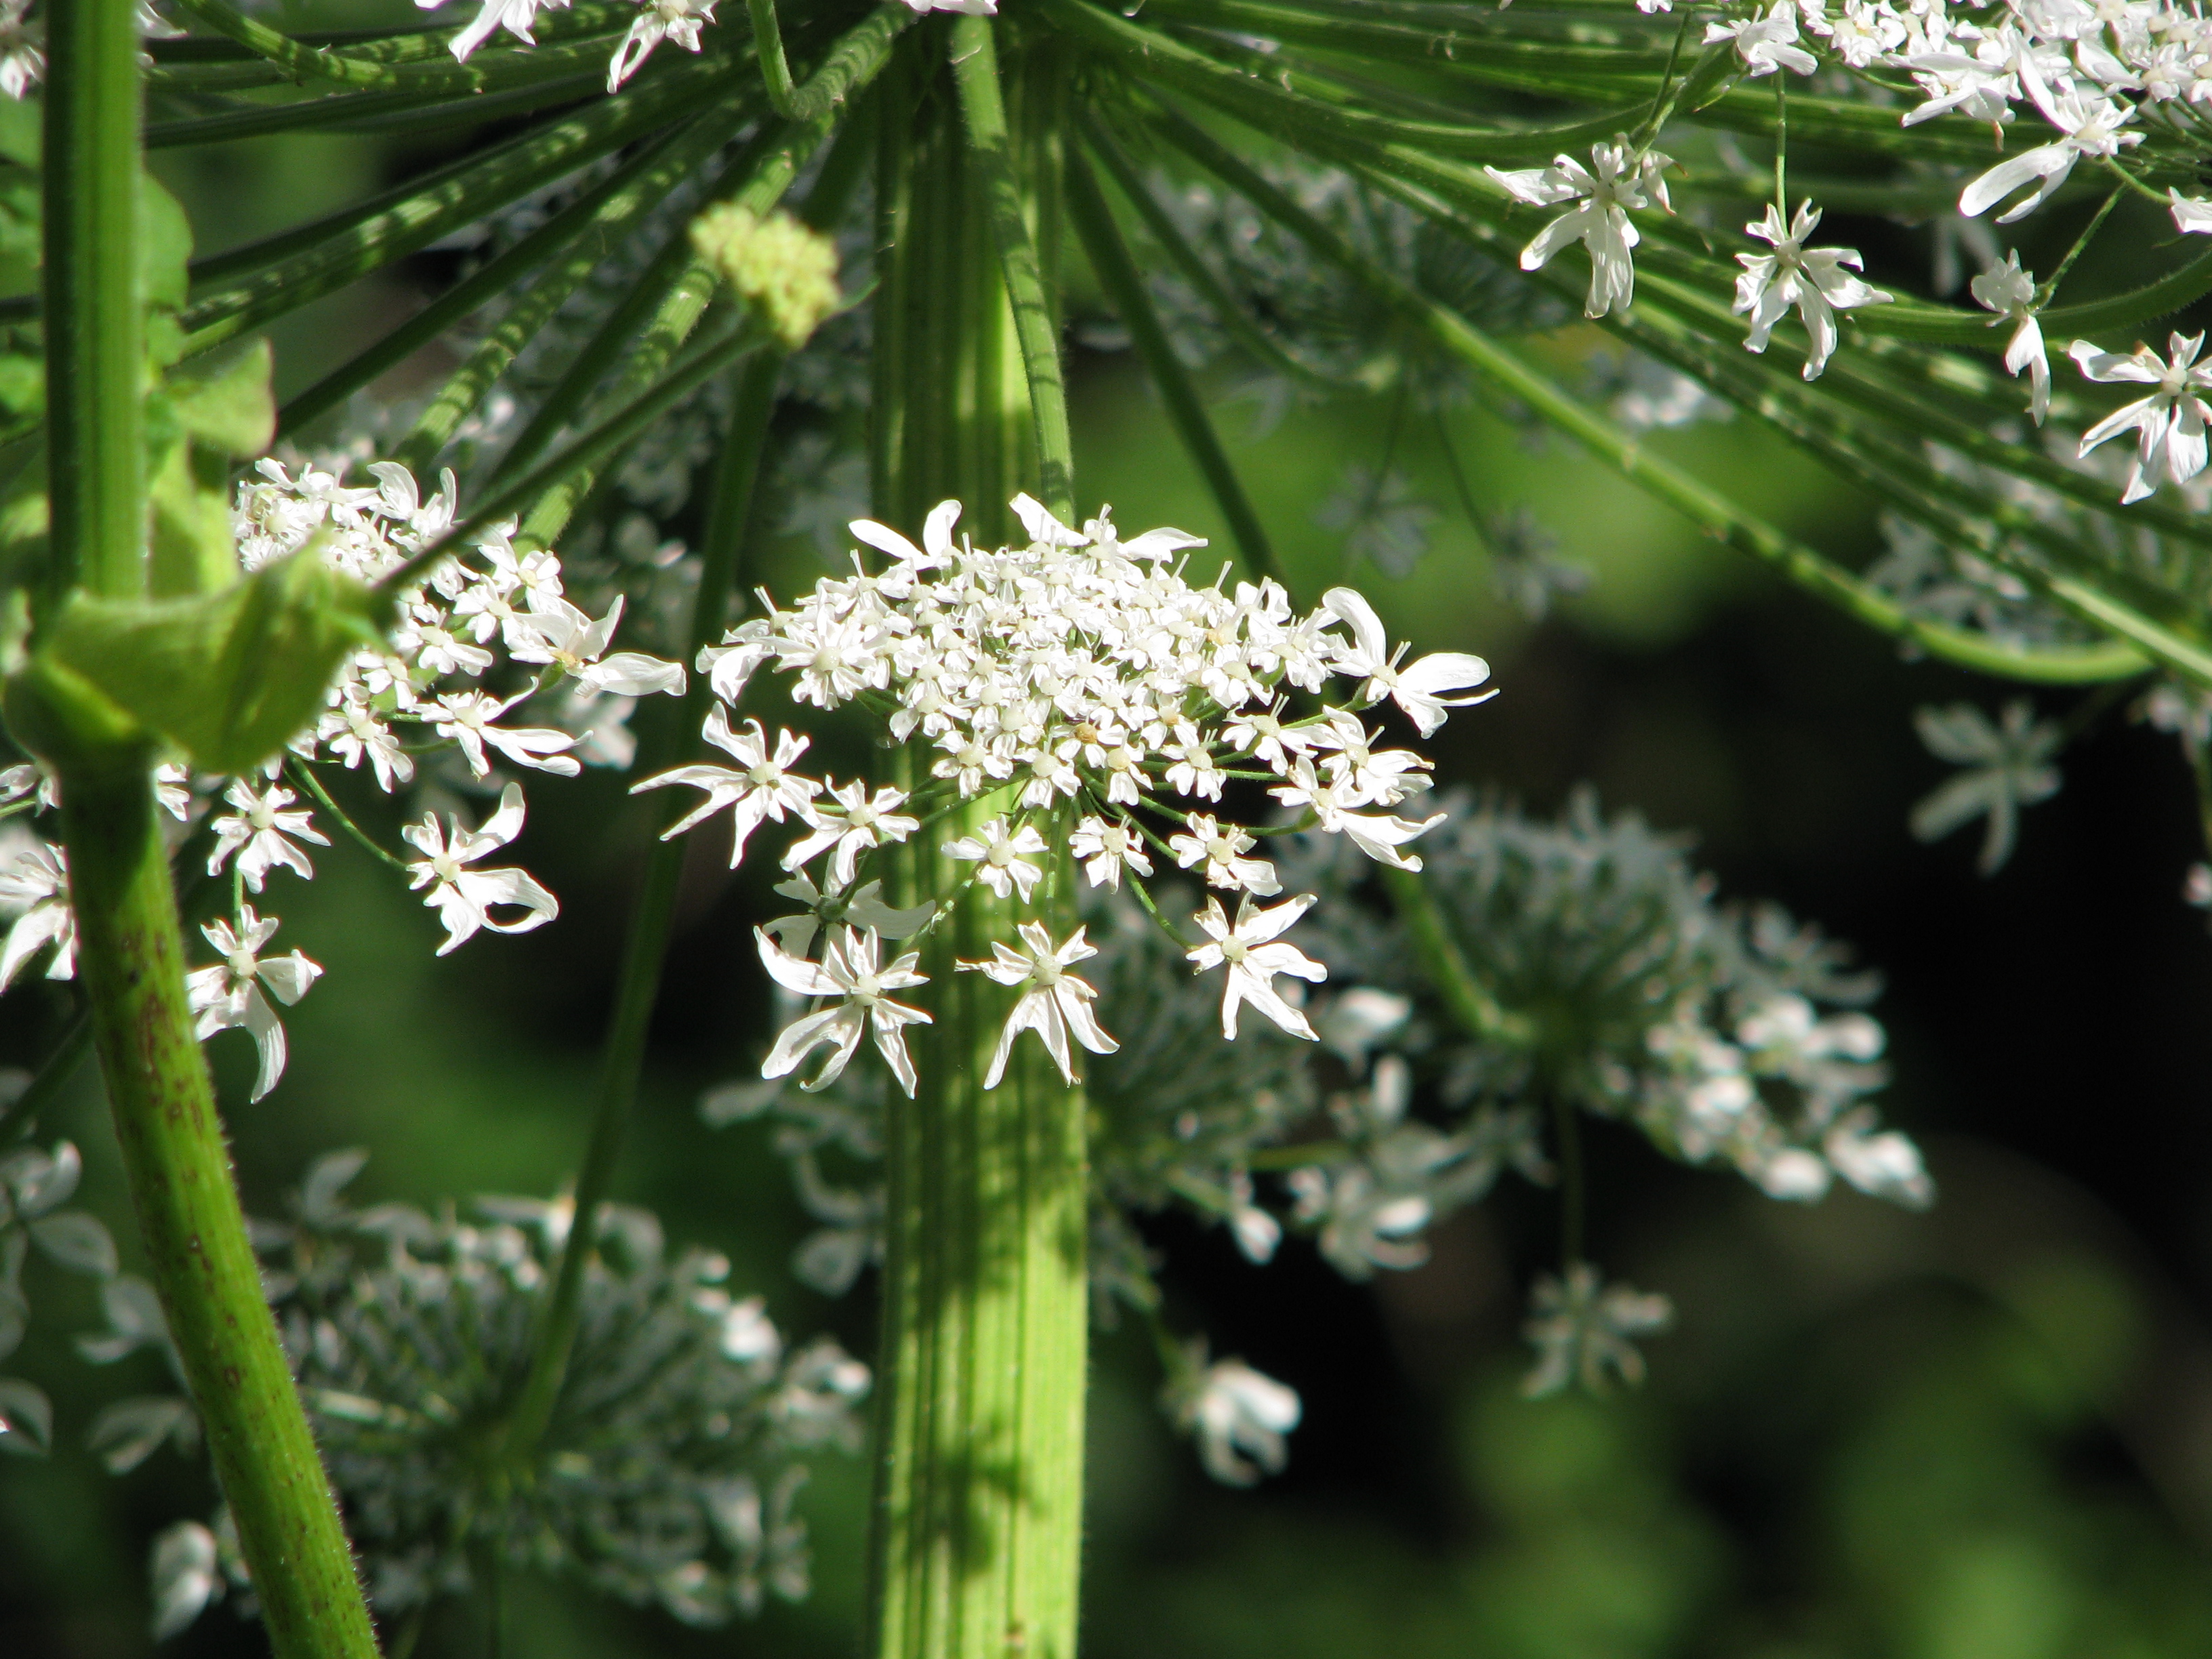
[495, 617]
[1109, 704]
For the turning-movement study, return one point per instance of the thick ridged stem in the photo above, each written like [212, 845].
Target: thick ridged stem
[977, 1536]
[129, 950]
[96, 336]
[132, 961]
[980, 1504]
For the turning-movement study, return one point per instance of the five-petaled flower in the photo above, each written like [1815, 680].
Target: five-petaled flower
[465, 898]
[1002, 856]
[258, 833]
[764, 788]
[1254, 956]
[1054, 1002]
[1418, 687]
[228, 996]
[1815, 280]
[1617, 180]
[856, 821]
[850, 972]
[2170, 423]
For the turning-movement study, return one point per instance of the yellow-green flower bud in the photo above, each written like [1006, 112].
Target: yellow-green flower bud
[786, 272]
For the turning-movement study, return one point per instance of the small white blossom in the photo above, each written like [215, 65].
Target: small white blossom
[2093, 127]
[465, 898]
[1054, 1003]
[763, 790]
[1616, 180]
[22, 49]
[1104, 846]
[1221, 851]
[466, 717]
[228, 996]
[1766, 44]
[848, 971]
[1418, 687]
[1254, 958]
[854, 822]
[1583, 1331]
[863, 909]
[556, 633]
[1816, 281]
[678, 20]
[2169, 424]
[2010, 292]
[353, 731]
[260, 833]
[515, 16]
[1002, 856]
[35, 886]
[1239, 1415]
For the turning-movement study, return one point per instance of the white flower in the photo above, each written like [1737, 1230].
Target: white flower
[1417, 689]
[1377, 835]
[1239, 1415]
[1813, 280]
[973, 7]
[1253, 960]
[465, 898]
[1884, 1166]
[466, 718]
[1104, 846]
[855, 823]
[1002, 856]
[864, 907]
[258, 833]
[764, 788]
[937, 549]
[1583, 1328]
[228, 996]
[2008, 766]
[354, 730]
[729, 664]
[2010, 292]
[1616, 180]
[1222, 851]
[514, 16]
[1054, 1002]
[2192, 214]
[1766, 44]
[36, 885]
[848, 971]
[555, 632]
[22, 54]
[664, 20]
[2094, 126]
[2170, 423]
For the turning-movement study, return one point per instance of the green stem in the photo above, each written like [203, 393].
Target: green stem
[976, 70]
[131, 957]
[623, 1061]
[775, 72]
[96, 337]
[1117, 273]
[1471, 1003]
[495, 277]
[310, 63]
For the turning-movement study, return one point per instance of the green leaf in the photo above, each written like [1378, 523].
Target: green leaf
[227, 678]
[165, 244]
[227, 405]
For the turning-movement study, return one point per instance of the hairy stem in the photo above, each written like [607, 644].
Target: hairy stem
[131, 956]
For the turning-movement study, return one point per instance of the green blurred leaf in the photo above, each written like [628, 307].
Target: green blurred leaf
[227, 678]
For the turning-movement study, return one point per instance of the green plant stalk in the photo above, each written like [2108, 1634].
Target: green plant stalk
[131, 957]
[1471, 1003]
[976, 1543]
[95, 334]
[1036, 323]
[978, 1523]
[730, 525]
[308, 62]
[371, 111]
[1117, 273]
[499, 275]
[603, 228]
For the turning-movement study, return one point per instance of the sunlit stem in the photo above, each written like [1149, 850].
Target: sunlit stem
[129, 949]
[976, 1531]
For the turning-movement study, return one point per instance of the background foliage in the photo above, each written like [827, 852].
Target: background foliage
[1981, 1433]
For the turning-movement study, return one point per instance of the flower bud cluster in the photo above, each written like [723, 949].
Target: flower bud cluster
[669, 1471]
